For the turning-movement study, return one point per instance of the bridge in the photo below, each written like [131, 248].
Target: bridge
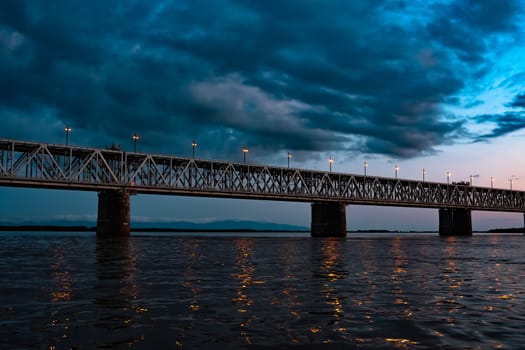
[115, 174]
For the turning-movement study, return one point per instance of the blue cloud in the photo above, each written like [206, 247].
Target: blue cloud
[505, 123]
[519, 101]
[309, 76]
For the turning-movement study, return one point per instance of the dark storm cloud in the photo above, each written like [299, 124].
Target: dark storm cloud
[519, 101]
[316, 76]
[467, 27]
[505, 123]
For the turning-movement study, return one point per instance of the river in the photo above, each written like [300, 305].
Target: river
[62, 290]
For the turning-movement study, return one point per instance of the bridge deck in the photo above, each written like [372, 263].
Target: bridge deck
[31, 164]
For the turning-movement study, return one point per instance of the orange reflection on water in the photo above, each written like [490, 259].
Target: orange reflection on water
[62, 292]
[451, 269]
[332, 270]
[401, 342]
[193, 256]
[60, 275]
[244, 265]
[398, 275]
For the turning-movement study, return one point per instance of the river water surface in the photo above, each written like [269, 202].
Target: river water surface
[229, 291]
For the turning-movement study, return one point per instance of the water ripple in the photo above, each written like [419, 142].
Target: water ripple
[74, 291]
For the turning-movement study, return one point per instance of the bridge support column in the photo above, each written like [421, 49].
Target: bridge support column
[455, 222]
[113, 214]
[328, 219]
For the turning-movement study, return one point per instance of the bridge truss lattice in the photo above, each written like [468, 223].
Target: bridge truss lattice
[31, 164]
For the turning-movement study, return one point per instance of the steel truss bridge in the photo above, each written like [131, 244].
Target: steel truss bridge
[39, 165]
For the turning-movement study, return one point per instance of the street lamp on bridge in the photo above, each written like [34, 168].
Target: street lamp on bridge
[244, 151]
[512, 178]
[424, 172]
[289, 156]
[365, 165]
[471, 177]
[193, 145]
[491, 182]
[67, 129]
[396, 169]
[135, 138]
[448, 177]
[330, 161]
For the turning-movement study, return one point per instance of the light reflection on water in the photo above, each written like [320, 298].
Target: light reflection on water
[116, 295]
[244, 271]
[401, 292]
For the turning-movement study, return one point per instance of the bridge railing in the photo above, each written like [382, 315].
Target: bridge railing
[57, 166]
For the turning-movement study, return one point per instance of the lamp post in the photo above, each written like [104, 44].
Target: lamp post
[330, 161]
[365, 165]
[289, 156]
[472, 178]
[67, 129]
[193, 145]
[396, 169]
[491, 182]
[510, 182]
[424, 172]
[448, 177]
[244, 151]
[135, 138]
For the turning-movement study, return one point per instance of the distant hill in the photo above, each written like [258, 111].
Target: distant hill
[223, 225]
[507, 230]
[75, 228]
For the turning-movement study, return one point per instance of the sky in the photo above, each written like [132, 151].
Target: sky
[433, 85]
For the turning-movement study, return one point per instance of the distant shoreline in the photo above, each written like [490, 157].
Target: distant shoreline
[75, 228]
[45, 228]
[81, 228]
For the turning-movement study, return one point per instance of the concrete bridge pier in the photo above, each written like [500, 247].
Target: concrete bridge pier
[113, 214]
[328, 219]
[455, 222]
